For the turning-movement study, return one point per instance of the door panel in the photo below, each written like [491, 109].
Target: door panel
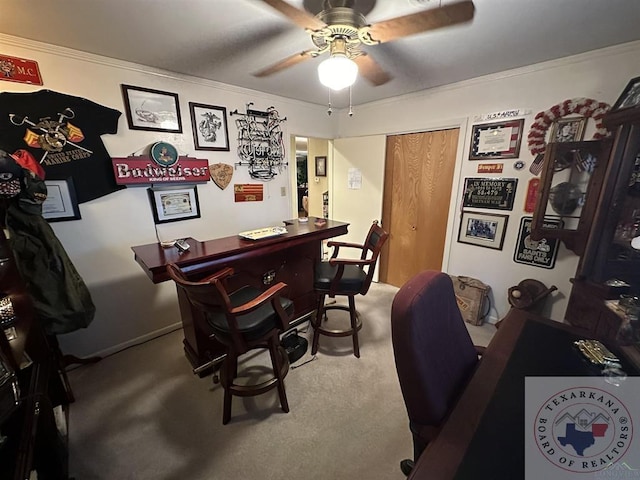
[419, 171]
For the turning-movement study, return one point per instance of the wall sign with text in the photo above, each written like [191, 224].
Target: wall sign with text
[538, 253]
[20, 70]
[495, 193]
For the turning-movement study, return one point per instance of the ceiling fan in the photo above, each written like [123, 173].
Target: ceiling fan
[341, 30]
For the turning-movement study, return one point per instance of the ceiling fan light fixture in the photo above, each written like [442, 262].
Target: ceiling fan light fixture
[338, 71]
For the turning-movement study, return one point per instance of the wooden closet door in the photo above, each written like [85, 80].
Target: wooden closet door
[417, 191]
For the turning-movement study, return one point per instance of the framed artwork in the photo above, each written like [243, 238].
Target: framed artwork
[483, 229]
[209, 124]
[61, 203]
[630, 96]
[567, 130]
[321, 166]
[496, 140]
[174, 204]
[152, 110]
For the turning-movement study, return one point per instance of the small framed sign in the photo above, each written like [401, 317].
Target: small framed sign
[496, 140]
[494, 193]
[537, 253]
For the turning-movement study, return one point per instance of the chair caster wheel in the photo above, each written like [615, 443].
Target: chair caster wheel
[406, 466]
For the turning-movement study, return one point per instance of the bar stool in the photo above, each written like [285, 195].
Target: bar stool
[348, 277]
[242, 320]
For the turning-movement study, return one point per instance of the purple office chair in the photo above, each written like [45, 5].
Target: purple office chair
[434, 354]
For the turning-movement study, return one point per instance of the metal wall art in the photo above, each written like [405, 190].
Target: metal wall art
[260, 142]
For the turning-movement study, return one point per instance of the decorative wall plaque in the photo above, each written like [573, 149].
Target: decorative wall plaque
[494, 193]
[538, 253]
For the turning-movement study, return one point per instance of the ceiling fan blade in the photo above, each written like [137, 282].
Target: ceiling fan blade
[432, 19]
[371, 70]
[299, 17]
[286, 63]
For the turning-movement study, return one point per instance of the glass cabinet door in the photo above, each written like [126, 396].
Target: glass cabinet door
[619, 253]
[570, 185]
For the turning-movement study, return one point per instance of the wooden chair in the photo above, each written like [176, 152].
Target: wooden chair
[433, 352]
[341, 276]
[242, 320]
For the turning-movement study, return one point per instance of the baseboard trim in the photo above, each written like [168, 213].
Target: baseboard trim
[137, 341]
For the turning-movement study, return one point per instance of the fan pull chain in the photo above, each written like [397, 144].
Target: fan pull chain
[329, 111]
[350, 106]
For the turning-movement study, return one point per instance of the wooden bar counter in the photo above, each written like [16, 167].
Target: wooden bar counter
[287, 258]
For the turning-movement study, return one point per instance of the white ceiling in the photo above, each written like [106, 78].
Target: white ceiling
[228, 40]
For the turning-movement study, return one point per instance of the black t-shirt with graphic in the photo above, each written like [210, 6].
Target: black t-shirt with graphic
[63, 133]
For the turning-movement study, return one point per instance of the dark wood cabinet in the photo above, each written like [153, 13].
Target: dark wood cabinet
[610, 264]
[33, 434]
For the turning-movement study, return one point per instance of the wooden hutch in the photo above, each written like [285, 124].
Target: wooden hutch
[605, 229]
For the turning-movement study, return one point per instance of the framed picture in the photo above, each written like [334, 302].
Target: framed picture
[321, 166]
[174, 204]
[630, 95]
[483, 229]
[209, 124]
[567, 130]
[496, 140]
[61, 203]
[152, 110]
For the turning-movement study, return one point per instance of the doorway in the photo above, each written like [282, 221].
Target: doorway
[309, 184]
[419, 170]
[302, 177]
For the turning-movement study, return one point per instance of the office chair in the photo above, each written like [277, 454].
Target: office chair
[242, 320]
[434, 354]
[346, 277]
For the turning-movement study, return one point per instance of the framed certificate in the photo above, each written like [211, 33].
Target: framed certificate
[61, 203]
[496, 140]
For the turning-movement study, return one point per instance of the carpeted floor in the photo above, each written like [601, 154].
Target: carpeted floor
[142, 414]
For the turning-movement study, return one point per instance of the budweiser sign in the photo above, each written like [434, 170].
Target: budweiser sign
[141, 170]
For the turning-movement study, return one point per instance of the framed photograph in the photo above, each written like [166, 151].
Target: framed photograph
[567, 130]
[209, 124]
[152, 110]
[630, 95]
[483, 229]
[61, 203]
[496, 140]
[173, 204]
[321, 166]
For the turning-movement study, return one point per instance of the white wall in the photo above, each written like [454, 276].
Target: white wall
[129, 307]
[600, 75]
